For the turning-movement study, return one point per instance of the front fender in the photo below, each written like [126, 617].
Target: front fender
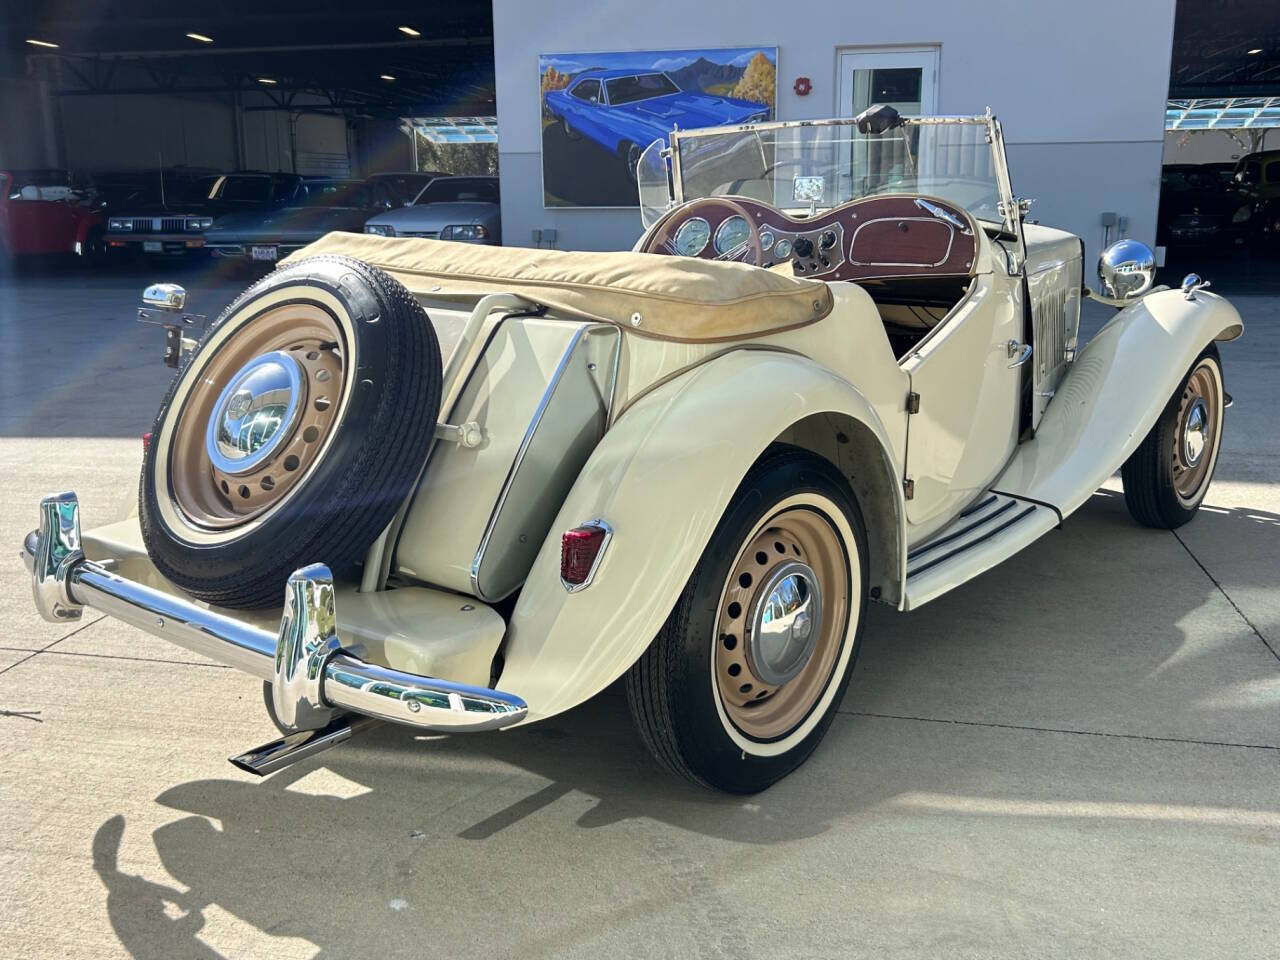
[661, 477]
[1114, 393]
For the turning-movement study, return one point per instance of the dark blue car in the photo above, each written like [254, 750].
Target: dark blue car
[624, 110]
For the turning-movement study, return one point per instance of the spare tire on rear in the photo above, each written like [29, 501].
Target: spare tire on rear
[293, 434]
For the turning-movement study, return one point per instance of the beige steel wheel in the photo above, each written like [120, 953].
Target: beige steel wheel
[1167, 476]
[257, 419]
[743, 680]
[293, 433]
[783, 618]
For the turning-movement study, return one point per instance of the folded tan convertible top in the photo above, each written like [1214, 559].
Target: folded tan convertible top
[675, 298]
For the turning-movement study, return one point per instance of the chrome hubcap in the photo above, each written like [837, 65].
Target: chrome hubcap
[1194, 438]
[255, 413]
[785, 625]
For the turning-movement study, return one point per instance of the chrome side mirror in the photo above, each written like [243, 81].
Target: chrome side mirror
[1126, 269]
[165, 296]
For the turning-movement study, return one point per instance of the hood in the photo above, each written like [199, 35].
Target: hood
[432, 216]
[288, 222]
[692, 110]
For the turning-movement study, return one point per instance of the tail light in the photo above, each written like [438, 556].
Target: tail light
[580, 551]
[146, 442]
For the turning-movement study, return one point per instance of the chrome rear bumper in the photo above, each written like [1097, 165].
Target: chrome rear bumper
[314, 678]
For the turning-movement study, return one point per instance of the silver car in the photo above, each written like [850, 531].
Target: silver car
[448, 208]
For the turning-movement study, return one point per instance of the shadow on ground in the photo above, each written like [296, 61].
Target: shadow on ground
[472, 829]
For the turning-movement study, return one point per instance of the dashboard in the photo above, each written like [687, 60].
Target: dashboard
[871, 237]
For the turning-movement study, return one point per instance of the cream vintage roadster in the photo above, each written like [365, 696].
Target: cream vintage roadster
[840, 366]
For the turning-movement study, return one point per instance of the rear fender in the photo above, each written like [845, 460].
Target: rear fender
[661, 478]
[1113, 394]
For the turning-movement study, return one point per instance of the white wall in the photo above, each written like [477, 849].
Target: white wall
[1051, 73]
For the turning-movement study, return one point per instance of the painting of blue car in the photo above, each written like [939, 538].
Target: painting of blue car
[600, 111]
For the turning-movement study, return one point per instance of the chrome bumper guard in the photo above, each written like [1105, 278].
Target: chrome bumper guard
[314, 679]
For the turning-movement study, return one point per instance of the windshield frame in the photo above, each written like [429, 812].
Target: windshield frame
[1009, 207]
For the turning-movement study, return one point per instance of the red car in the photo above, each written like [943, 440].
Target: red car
[40, 212]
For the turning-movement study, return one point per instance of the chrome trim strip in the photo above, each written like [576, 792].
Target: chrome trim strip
[306, 664]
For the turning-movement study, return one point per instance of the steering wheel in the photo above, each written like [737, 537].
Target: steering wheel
[715, 211]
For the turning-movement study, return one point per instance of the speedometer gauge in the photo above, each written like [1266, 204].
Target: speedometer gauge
[732, 234]
[691, 239]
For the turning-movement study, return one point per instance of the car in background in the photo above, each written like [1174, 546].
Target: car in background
[448, 208]
[624, 110]
[1196, 203]
[175, 221]
[1256, 214]
[42, 213]
[320, 205]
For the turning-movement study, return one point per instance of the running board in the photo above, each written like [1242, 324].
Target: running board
[995, 528]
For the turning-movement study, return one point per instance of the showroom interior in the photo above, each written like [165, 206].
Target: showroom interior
[1073, 756]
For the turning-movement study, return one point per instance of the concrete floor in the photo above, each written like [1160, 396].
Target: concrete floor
[1076, 755]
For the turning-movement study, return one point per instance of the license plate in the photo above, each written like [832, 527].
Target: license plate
[152, 246]
[265, 253]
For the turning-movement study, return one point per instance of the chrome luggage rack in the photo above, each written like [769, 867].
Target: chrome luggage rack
[320, 689]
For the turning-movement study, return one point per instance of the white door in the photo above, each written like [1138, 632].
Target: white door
[905, 79]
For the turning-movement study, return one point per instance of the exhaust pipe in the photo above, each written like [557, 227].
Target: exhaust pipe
[289, 749]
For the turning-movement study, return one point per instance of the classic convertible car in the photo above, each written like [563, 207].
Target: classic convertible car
[622, 110]
[839, 368]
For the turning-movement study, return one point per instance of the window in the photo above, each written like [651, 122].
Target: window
[587, 90]
[644, 86]
[240, 189]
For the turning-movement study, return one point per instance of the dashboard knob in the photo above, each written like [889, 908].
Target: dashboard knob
[803, 247]
[827, 240]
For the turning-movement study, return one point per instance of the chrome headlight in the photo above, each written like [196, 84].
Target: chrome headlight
[1127, 269]
[380, 229]
[200, 223]
[120, 223]
[465, 231]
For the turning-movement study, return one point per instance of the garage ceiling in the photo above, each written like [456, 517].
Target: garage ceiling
[1224, 48]
[354, 56]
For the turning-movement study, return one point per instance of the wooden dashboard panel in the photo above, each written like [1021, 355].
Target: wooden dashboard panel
[868, 238]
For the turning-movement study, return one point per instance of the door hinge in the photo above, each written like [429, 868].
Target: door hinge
[908, 489]
[913, 402]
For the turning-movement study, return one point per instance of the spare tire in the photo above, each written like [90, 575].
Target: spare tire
[292, 435]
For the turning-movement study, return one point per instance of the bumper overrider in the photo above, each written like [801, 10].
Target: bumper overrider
[320, 689]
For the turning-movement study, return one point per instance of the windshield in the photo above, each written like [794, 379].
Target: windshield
[804, 168]
[238, 189]
[459, 190]
[641, 87]
[333, 193]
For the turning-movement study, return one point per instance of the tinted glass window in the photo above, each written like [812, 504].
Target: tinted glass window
[642, 87]
[334, 193]
[587, 90]
[398, 188]
[241, 189]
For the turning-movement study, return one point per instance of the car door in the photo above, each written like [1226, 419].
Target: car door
[969, 389]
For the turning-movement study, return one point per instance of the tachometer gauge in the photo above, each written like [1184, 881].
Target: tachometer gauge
[784, 249]
[691, 239]
[766, 239]
[732, 234]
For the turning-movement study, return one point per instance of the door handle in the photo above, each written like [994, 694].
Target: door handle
[1019, 353]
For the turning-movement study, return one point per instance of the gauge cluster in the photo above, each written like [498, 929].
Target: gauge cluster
[811, 252]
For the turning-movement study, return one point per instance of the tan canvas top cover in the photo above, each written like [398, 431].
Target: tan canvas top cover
[677, 298]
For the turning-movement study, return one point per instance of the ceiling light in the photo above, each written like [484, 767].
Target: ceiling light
[386, 76]
[1255, 51]
[43, 43]
[265, 80]
[201, 37]
[409, 31]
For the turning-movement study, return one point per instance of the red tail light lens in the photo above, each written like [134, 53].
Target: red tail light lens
[146, 442]
[580, 551]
